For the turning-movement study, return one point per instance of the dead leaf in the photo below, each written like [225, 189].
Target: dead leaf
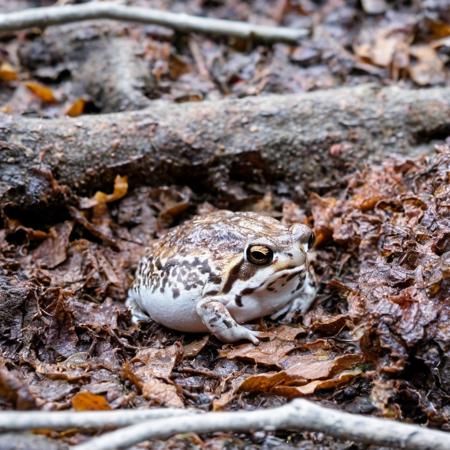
[120, 190]
[429, 68]
[7, 72]
[53, 251]
[15, 390]
[178, 66]
[272, 352]
[439, 28]
[76, 108]
[86, 401]
[313, 386]
[192, 349]
[330, 325]
[300, 369]
[41, 91]
[159, 362]
[150, 371]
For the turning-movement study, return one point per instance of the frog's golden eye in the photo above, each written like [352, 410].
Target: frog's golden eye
[259, 255]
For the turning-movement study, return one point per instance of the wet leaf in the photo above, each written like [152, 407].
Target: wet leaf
[120, 190]
[429, 69]
[272, 352]
[192, 349]
[76, 108]
[310, 388]
[53, 251]
[7, 72]
[150, 370]
[86, 401]
[41, 91]
[323, 368]
[13, 388]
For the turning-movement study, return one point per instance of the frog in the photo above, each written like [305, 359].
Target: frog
[218, 271]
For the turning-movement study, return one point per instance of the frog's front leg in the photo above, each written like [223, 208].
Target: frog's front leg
[216, 317]
[307, 295]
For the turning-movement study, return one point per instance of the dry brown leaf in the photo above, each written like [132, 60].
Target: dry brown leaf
[120, 190]
[282, 341]
[153, 389]
[41, 91]
[170, 202]
[319, 365]
[192, 349]
[150, 370]
[7, 72]
[162, 393]
[86, 401]
[323, 212]
[76, 108]
[330, 325]
[53, 251]
[388, 47]
[313, 386]
[429, 68]
[178, 66]
[158, 362]
[304, 368]
[439, 28]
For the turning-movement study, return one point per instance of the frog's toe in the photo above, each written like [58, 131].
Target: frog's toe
[253, 336]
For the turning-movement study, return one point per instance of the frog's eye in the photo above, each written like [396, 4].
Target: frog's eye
[259, 255]
[311, 240]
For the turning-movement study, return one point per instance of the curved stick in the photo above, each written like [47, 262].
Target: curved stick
[55, 15]
[298, 415]
[28, 420]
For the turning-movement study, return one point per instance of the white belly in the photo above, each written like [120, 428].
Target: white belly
[177, 313]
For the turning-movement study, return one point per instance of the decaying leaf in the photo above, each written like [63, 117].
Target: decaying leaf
[150, 370]
[310, 388]
[192, 349]
[429, 68]
[76, 108]
[7, 72]
[120, 190]
[325, 370]
[281, 341]
[53, 251]
[86, 401]
[43, 92]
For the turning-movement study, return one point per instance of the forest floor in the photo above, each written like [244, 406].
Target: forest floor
[377, 340]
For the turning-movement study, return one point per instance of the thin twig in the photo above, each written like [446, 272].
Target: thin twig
[54, 15]
[299, 415]
[28, 420]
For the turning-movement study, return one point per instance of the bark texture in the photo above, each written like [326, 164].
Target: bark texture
[306, 141]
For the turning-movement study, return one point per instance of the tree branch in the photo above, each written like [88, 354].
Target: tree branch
[299, 415]
[28, 420]
[55, 15]
[306, 140]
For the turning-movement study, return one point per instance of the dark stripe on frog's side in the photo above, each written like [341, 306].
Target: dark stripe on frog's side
[233, 275]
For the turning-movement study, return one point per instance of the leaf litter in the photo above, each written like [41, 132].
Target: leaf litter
[379, 330]
[377, 339]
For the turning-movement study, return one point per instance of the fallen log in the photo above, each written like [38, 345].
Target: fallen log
[306, 141]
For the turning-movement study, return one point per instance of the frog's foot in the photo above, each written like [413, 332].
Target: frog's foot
[276, 315]
[221, 324]
[137, 315]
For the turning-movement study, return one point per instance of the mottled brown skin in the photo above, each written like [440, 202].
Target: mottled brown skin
[200, 277]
